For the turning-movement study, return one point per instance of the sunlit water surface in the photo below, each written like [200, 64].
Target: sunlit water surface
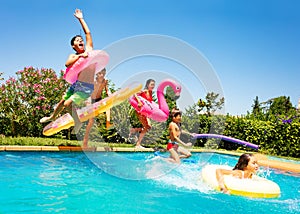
[63, 182]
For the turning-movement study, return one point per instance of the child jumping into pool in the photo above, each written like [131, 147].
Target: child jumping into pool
[84, 86]
[246, 166]
[176, 151]
[100, 85]
[145, 122]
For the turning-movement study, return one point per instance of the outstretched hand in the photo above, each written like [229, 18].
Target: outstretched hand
[78, 14]
[193, 134]
[188, 133]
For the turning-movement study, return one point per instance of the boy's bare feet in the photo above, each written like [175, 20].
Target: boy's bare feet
[45, 119]
[139, 147]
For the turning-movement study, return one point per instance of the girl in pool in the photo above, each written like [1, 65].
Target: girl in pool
[245, 168]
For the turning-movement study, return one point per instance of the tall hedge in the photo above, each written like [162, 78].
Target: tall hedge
[274, 138]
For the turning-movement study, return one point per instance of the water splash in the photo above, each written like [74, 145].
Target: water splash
[128, 167]
[264, 172]
[187, 177]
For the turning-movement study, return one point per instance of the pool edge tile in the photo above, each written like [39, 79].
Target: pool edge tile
[50, 148]
[23, 148]
[70, 148]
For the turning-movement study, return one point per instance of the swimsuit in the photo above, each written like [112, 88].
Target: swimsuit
[172, 145]
[145, 95]
[142, 121]
[79, 92]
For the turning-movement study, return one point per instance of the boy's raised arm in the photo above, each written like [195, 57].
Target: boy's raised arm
[89, 42]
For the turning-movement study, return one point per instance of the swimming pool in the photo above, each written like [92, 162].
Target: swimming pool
[75, 182]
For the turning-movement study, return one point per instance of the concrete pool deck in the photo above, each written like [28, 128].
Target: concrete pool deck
[263, 160]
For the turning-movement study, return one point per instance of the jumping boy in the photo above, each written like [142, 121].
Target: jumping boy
[84, 86]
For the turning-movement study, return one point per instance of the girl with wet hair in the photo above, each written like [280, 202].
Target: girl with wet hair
[243, 161]
[245, 168]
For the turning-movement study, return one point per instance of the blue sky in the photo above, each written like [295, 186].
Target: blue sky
[253, 46]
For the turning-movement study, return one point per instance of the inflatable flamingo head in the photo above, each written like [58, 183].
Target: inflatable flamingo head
[173, 84]
[177, 89]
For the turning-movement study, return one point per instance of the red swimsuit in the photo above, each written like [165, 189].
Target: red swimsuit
[142, 118]
[145, 95]
[172, 145]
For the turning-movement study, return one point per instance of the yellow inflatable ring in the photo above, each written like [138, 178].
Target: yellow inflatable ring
[257, 187]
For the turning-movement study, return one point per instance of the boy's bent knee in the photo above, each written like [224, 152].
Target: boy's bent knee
[67, 103]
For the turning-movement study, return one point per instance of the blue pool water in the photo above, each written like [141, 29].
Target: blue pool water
[62, 182]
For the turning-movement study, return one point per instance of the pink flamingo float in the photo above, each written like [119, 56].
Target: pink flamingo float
[158, 112]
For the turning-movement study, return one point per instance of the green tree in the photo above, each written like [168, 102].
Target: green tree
[211, 103]
[256, 109]
[281, 105]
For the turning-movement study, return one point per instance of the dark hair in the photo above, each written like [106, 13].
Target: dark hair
[173, 111]
[176, 113]
[243, 161]
[148, 83]
[73, 39]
